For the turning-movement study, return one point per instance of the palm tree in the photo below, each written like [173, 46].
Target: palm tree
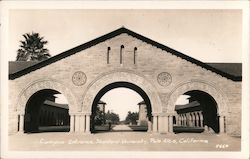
[32, 48]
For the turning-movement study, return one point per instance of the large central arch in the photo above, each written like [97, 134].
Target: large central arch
[121, 76]
[124, 85]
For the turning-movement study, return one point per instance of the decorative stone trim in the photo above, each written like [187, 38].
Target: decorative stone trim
[164, 79]
[79, 78]
[38, 85]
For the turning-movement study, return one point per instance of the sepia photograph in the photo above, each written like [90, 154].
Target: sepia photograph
[97, 81]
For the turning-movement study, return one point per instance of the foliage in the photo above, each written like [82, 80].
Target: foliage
[32, 48]
[110, 116]
[132, 117]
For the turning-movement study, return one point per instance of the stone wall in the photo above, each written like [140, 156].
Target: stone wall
[150, 63]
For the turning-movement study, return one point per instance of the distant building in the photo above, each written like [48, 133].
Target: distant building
[49, 114]
[143, 119]
[102, 105]
[53, 114]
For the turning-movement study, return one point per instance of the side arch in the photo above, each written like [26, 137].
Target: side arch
[209, 88]
[38, 85]
[121, 76]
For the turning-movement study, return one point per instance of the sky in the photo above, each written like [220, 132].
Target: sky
[207, 35]
[128, 100]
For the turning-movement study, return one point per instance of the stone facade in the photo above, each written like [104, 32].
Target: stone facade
[142, 67]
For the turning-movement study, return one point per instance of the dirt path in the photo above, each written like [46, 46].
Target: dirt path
[122, 128]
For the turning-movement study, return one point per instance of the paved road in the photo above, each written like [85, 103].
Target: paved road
[122, 128]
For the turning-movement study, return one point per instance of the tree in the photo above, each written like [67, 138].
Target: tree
[32, 48]
[114, 118]
[132, 117]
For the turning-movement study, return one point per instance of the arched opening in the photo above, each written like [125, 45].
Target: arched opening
[46, 111]
[142, 106]
[196, 112]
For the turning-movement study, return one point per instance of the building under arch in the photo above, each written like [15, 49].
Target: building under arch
[162, 73]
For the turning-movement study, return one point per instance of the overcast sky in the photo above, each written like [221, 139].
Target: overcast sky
[207, 35]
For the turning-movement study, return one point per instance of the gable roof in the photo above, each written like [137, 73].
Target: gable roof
[109, 36]
[189, 105]
[102, 102]
[54, 104]
[234, 69]
[16, 66]
[230, 68]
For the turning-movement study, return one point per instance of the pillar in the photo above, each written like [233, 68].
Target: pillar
[170, 124]
[184, 120]
[166, 123]
[222, 124]
[205, 128]
[72, 123]
[149, 126]
[82, 123]
[189, 119]
[201, 119]
[87, 130]
[21, 123]
[163, 123]
[194, 119]
[77, 123]
[155, 123]
[178, 120]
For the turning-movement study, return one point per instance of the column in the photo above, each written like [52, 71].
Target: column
[87, 123]
[21, 123]
[184, 120]
[194, 118]
[189, 119]
[77, 123]
[206, 128]
[201, 119]
[178, 119]
[170, 123]
[178, 123]
[163, 123]
[149, 126]
[197, 119]
[72, 123]
[82, 123]
[166, 123]
[155, 123]
[222, 124]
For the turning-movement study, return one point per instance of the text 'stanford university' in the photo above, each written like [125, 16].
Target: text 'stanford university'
[124, 58]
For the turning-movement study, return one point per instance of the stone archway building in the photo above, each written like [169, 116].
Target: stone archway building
[125, 56]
